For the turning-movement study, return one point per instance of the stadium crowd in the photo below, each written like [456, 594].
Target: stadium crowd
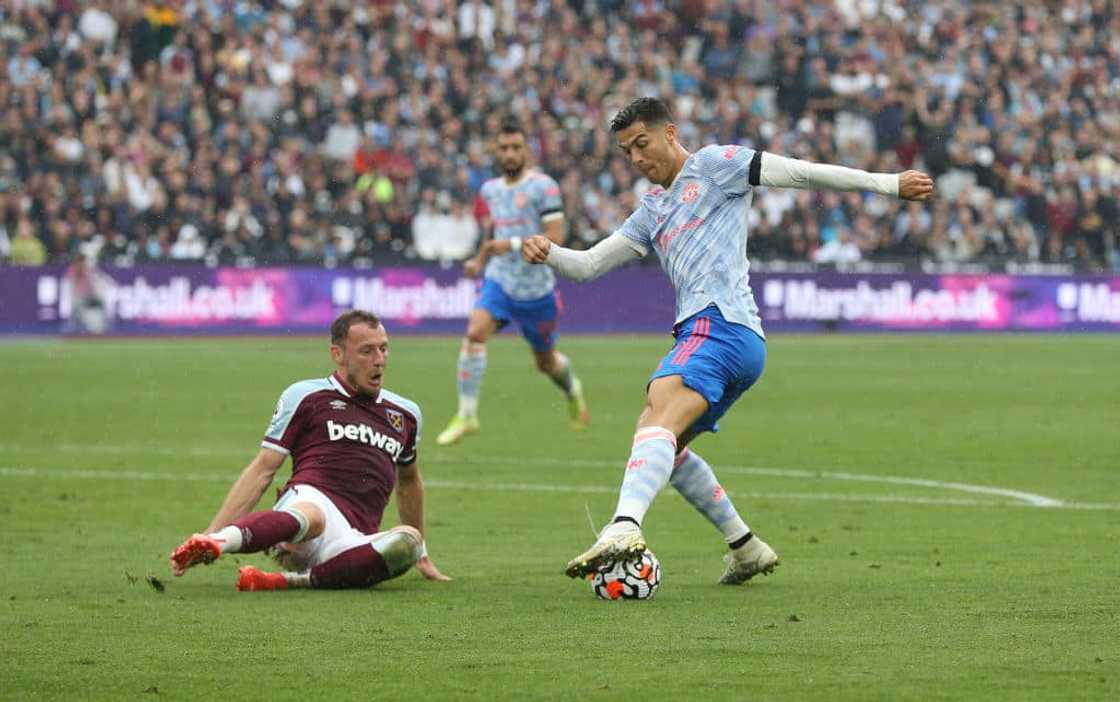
[290, 131]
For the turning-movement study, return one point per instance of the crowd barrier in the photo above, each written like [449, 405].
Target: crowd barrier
[153, 300]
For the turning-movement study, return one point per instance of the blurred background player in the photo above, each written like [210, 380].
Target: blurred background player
[695, 219]
[351, 442]
[88, 290]
[522, 202]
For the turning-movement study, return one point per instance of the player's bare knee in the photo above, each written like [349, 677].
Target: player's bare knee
[672, 404]
[644, 416]
[477, 335]
[411, 531]
[400, 548]
[546, 362]
[311, 518]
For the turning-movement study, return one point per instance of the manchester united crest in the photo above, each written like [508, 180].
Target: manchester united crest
[690, 192]
[396, 419]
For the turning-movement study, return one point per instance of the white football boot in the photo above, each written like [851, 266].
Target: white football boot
[617, 541]
[749, 560]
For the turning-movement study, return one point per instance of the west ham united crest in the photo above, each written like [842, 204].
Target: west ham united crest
[396, 419]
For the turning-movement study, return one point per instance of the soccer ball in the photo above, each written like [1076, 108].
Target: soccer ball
[635, 579]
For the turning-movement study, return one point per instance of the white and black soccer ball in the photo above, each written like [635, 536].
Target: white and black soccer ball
[634, 579]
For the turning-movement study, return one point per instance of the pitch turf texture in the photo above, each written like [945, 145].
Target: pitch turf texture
[856, 457]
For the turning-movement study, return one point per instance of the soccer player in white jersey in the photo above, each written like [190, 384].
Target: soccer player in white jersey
[352, 443]
[522, 202]
[695, 219]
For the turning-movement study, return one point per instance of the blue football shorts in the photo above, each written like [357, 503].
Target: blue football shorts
[716, 358]
[536, 318]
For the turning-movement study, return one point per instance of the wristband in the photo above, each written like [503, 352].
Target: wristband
[423, 549]
[515, 243]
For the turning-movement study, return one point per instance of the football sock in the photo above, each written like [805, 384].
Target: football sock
[228, 538]
[562, 375]
[472, 366]
[298, 579]
[399, 549]
[694, 480]
[257, 531]
[360, 566]
[647, 471]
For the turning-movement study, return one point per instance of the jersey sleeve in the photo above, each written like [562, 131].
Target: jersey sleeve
[412, 446]
[414, 426]
[550, 204]
[639, 228]
[733, 168]
[482, 200]
[481, 209]
[288, 420]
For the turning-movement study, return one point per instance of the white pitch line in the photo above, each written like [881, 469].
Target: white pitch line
[1029, 498]
[1025, 497]
[103, 474]
[819, 496]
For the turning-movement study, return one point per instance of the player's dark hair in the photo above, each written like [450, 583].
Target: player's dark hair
[340, 328]
[646, 109]
[510, 125]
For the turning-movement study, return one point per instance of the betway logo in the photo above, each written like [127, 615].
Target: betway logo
[366, 435]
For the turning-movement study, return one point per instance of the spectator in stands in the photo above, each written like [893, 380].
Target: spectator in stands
[26, 248]
[153, 112]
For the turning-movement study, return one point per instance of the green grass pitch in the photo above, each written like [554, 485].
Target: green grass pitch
[899, 478]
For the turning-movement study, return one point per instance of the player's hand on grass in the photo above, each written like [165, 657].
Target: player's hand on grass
[428, 569]
[914, 185]
[535, 249]
[473, 267]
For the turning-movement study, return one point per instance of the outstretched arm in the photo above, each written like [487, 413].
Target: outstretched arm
[247, 491]
[608, 254]
[781, 172]
[410, 505]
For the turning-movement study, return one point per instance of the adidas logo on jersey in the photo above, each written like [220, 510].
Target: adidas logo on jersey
[366, 435]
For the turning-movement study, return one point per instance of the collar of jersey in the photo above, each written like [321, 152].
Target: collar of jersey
[524, 176]
[340, 385]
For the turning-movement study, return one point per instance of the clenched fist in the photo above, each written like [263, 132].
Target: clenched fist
[914, 185]
[473, 267]
[535, 249]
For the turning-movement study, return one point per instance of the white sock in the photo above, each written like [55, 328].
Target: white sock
[472, 367]
[228, 538]
[563, 376]
[694, 480]
[647, 471]
[298, 579]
